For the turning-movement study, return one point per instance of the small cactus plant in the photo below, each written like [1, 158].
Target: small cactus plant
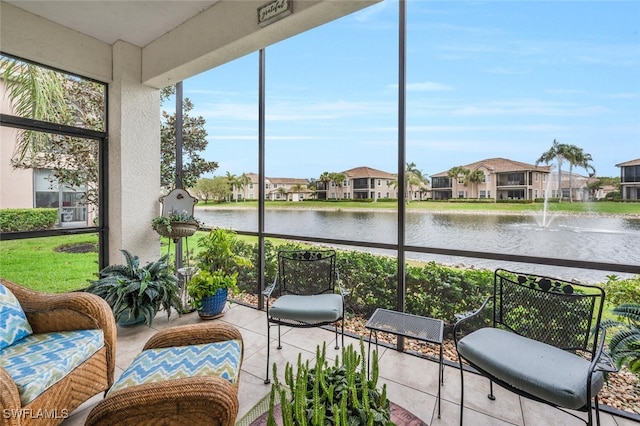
[341, 394]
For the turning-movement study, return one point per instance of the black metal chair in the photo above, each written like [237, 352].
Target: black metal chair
[305, 293]
[539, 337]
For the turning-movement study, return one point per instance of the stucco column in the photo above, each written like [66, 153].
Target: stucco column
[134, 158]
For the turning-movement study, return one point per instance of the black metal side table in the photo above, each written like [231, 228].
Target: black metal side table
[424, 329]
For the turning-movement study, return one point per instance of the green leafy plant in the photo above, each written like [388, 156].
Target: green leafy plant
[206, 283]
[133, 291]
[625, 344]
[173, 217]
[218, 265]
[340, 394]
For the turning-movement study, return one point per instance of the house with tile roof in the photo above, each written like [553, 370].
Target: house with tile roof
[276, 189]
[504, 179]
[360, 183]
[630, 179]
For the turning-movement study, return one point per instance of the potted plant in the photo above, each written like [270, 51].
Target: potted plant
[176, 225]
[338, 394]
[136, 293]
[218, 266]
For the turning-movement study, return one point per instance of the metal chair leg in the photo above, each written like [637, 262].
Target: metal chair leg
[461, 389]
[491, 396]
[267, 381]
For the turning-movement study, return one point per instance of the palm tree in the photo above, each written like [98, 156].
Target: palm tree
[283, 193]
[233, 183]
[476, 177]
[456, 173]
[242, 183]
[297, 188]
[338, 179]
[559, 152]
[37, 93]
[577, 157]
[325, 178]
[413, 177]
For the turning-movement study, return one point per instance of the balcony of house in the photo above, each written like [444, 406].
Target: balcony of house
[511, 180]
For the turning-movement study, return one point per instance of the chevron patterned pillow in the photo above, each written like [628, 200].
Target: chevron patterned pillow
[13, 322]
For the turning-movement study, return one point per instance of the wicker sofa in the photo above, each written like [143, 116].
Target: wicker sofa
[63, 325]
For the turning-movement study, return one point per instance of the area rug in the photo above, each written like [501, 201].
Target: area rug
[258, 414]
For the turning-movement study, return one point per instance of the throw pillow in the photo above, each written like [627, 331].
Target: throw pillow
[13, 322]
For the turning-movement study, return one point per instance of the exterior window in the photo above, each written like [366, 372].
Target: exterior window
[535, 176]
[251, 196]
[379, 182]
[535, 191]
[275, 185]
[68, 200]
[344, 183]
[483, 194]
[379, 194]
[266, 185]
[461, 181]
[460, 194]
[544, 178]
[250, 186]
[388, 195]
[487, 178]
[488, 194]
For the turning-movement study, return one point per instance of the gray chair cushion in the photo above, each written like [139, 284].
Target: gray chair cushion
[542, 370]
[312, 309]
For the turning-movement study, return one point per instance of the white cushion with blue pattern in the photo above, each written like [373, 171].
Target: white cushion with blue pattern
[221, 359]
[13, 322]
[38, 361]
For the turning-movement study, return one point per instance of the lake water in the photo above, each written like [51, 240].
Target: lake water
[589, 238]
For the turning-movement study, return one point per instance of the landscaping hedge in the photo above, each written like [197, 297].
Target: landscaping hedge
[431, 290]
[16, 220]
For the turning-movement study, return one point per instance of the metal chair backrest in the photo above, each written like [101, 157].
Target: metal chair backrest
[306, 272]
[550, 310]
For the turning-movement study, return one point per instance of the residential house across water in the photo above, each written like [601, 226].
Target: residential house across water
[630, 179]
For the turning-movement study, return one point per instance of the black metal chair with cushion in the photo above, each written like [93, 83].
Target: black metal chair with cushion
[305, 293]
[539, 337]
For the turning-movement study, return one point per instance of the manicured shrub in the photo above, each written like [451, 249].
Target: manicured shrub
[16, 220]
[372, 281]
[620, 291]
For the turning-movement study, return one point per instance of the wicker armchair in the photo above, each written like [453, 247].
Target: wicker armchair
[53, 313]
[195, 400]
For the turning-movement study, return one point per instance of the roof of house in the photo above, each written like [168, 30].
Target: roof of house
[635, 162]
[279, 181]
[360, 172]
[499, 165]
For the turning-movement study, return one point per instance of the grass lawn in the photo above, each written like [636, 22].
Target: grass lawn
[601, 207]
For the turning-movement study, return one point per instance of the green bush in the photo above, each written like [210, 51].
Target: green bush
[620, 291]
[372, 281]
[17, 220]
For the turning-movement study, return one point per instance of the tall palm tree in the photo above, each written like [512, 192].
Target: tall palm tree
[242, 182]
[338, 179]
[325, 178]
[233, 183]
[37, 93]
[456, 173]
[297, 188]
[558, 152]
[476, 177]
[577, 157]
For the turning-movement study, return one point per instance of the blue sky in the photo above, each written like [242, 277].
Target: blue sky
[484, 79]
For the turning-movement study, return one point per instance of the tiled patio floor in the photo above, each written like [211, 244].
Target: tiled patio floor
[411, 381]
